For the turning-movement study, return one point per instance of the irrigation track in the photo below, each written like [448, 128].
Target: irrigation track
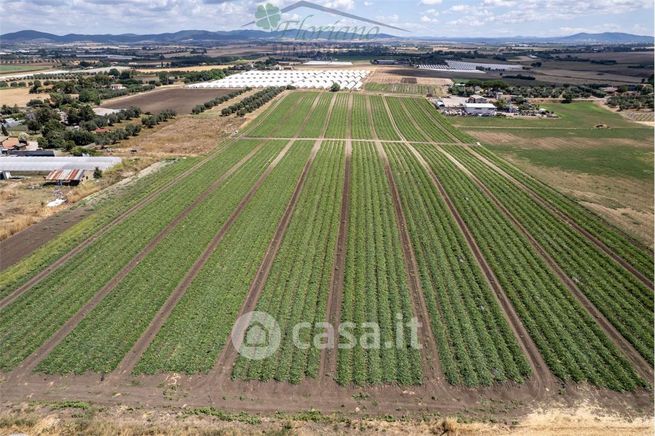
[643, 367]
[33, 360]
[117, 221]
[542, 376]
[328, 364]
[563, 216]
[431, 364]
[226, 359]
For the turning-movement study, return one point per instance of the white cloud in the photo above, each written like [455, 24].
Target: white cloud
[431, 2]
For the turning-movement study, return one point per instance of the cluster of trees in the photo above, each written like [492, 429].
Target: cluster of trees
[93, 89]
[58, 134]
[151, 121]
[218, 100]
[641, 100]
[253, 102]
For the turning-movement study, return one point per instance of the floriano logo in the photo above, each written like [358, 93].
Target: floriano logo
[268, 16]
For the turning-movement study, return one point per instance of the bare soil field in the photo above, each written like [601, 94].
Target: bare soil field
[581, 77]
[400, 75]
[82, 418]
[16, 96]
[181, 100]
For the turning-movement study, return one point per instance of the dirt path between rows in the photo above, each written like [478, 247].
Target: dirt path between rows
[430, 356]
[226, 359]
[328, 365]
[643, 367]
[35, 358]
[542, 378]
[563, 216]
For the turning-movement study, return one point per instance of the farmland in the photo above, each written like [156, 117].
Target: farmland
[181, 100]
[362, 210]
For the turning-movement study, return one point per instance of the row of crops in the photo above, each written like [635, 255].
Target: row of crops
[375, 282]
[299, 282]
[198, 327]
[639, 257]
[337, 126]
[105, 211]
[318, 118]
[569, 339]
[278, 115]
[475, 344]
[383, 126]
[107, 333]
[361, 127]
[624, 300]
[39, 312]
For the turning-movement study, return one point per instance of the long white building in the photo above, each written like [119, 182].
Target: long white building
[313, 79]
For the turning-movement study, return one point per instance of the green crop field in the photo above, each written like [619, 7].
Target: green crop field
[371, 211]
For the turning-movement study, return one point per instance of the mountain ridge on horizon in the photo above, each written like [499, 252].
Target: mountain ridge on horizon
[28, 35]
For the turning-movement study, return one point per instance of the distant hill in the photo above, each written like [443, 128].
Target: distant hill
[204, 36]
[198, 36]
[578, 38]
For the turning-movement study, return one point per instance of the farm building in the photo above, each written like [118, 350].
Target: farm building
[67, 177]
[47, 164]
[480, 109]
[309, 79]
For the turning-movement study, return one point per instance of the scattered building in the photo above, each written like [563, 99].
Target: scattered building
[116, 86]
[68, 177]
[482, 109]
[477, 99]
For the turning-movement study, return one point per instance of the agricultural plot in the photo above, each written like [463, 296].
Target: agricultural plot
[375, 282]
[361, 128]
[298, 285]
[403, 121]
[199, 326]
[278, 116]
[294, 120]
[625, 301]
[44, 308]
[475, 344]
[104, 336]
[383, 127]
[105, 212]
[403, 88]
[570, 341]
[314, 124]
[339, 120]
[427, 124]
[639, 257]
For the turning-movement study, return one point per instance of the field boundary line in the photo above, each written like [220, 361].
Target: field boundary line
[224, 363]
[328, 363]
[542, 374]
[106, 229]
[563, 216]
[643, 368]
[35, 358]
[430, 358]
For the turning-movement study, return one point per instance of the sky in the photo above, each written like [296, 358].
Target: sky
[451, 18]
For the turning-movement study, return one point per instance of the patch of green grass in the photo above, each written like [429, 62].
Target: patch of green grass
[5, 69]
[226, 416]
[605, 160]
[578, 115]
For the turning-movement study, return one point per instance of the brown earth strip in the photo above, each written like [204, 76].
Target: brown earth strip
[566, 218]
[643, 367]
[33, 360]
[228, 356]
[430, 358]
[328, 365]
[542, 377]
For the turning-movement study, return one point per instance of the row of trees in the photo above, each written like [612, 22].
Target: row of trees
[151, 121]
[216, 101]
[253, 102]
